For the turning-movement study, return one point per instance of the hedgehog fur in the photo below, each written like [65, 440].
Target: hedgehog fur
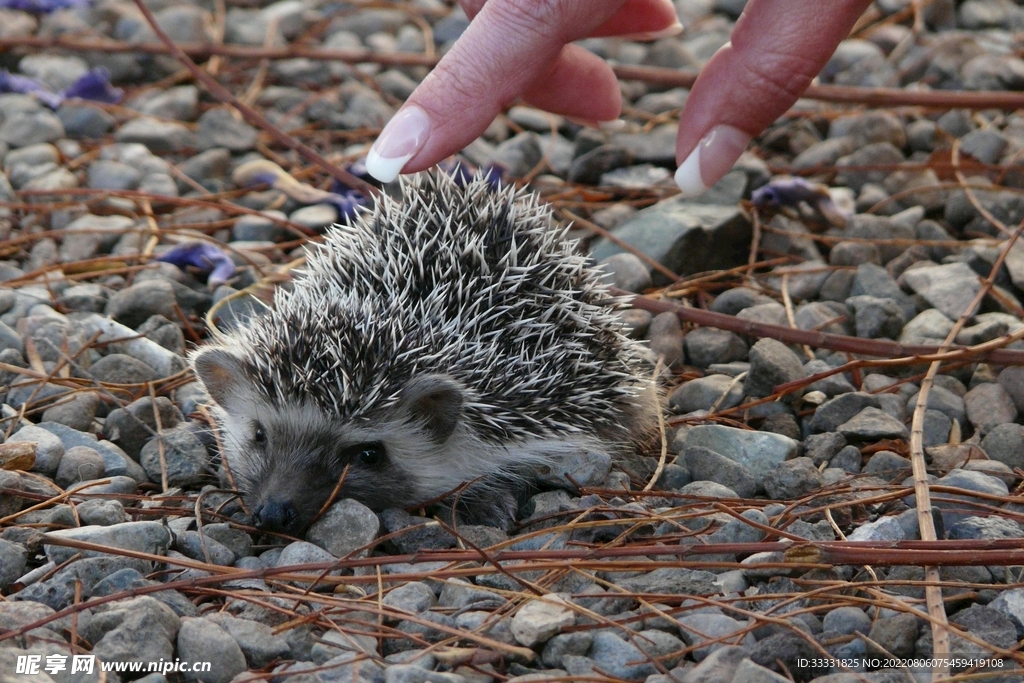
[452, 336]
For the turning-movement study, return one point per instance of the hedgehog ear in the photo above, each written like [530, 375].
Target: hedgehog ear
[435, 401]
[220, 372]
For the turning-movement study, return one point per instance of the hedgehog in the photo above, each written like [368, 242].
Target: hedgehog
[448, 343]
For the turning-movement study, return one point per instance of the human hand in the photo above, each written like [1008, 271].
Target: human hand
[512, 49]
[520, 48]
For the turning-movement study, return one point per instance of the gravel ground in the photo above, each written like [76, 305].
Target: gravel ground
[102, 298]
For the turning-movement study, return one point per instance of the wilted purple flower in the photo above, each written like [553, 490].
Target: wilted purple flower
[348, 203]
[792, 191]
[95, 86]
[788, 192]
[43, 6]
[24, 85]
[204, 256]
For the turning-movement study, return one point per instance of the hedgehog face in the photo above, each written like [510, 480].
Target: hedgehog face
[289, 460]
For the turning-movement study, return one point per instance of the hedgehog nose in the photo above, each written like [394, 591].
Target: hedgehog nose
[274, 515]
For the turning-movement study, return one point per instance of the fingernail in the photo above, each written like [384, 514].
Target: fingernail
[711, 159]
[398, 142]
[667, 32]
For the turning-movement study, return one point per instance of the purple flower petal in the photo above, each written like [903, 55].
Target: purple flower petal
[95, 86]
[788, 192]
[43, 6]
[204, 256]
[24, 85]
[348, 203]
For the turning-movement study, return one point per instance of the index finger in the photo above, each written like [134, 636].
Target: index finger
[777, 47]
[506, 48]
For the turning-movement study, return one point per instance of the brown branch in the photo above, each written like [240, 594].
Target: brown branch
[840, 94]
[914, 353]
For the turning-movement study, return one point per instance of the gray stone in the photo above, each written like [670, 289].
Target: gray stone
[831, 414]
[576, 643]
[538, 620]
[144, 631]
[937, 426]
[118, 368]
[417, 533]
[684, 236]
[135, 424]
[895, 635]
[107, 174]
[100, 512]
[988, 405]
[519, 155]
[929, 327]
[704, 464]
[873, 280]
[887, 465]
[30, 128]
[704, 392]
[346, 526]
[116, 463]
[85, 121]
[220, 127]
[13, 558]
[158, 136]
[200, 547]
[846, 620]
[860, 166]
[876, 317]
[627, 272]
[201, 640]
[574, 469]
[315, 216]
[180, 102]
[258, 228]
[792, 651]
[666, 338]
[985, 528]
[133, 305]
[49, 448]
[78, 413]
[257, 641]
[718, 667]
[792, 479]
[79, 464]
[706, 345]
[871, 424]
[732, 301]
[1004, 443]
[821, 448]
[186, 460]
[413, 597]
[882, 529]
[208, 165]
[759, 452]
[950, 288]
[749, 672]
[589, 167]
[150, 537]
[771, 363]
[671, 580]
[697, 629]
[943, 400]
[622, 659]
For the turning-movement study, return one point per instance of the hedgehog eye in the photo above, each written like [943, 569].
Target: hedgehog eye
[259, 435]
[369, 454]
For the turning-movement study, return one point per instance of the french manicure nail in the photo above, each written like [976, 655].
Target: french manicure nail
[711, 159]
[398, 142]
[667, 32]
